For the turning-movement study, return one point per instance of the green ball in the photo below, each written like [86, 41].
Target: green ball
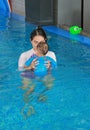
[75, 30]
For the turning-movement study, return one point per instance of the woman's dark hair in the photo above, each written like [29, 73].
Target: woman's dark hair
[38, 31]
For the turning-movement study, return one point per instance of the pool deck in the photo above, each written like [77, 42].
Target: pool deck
[67, 34]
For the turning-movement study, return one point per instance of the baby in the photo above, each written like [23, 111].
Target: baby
[41, 59]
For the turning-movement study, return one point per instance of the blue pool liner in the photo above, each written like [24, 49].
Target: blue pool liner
[67, 34]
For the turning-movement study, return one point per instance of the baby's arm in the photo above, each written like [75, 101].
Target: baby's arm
[30, 64]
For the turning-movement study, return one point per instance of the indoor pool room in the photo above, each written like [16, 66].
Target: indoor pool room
[59, 100]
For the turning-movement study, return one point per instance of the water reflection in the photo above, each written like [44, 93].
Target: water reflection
[35, 91]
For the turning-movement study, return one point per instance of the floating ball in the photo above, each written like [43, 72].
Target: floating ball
[75, 30]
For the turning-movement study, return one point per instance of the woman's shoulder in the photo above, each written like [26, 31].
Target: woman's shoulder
[51, 54]
[28, 53]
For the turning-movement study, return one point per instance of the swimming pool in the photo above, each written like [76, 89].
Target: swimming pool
[61, 101]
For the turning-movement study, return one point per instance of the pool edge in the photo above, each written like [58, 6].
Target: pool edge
[65, 33]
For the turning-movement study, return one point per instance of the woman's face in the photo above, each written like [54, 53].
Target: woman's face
[36, 40]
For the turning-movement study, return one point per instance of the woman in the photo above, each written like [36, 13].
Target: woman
[37, 35]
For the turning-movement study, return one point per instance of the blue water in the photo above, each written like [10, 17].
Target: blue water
[60, 101]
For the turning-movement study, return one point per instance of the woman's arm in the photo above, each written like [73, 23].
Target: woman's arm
[21, 62]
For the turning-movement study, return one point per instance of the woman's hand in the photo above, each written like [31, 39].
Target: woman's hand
[33, 64]
[48, 64]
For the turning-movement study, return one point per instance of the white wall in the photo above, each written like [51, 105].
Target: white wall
[18, 7]
[69, 12]
[86, 20]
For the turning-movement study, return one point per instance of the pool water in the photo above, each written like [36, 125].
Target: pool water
[59, 101]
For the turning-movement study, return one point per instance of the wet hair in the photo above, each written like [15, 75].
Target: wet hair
[38, 31]
[42, 48]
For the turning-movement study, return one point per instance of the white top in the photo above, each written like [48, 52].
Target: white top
[26, 55]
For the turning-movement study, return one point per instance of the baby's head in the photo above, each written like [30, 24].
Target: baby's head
[42, 48]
